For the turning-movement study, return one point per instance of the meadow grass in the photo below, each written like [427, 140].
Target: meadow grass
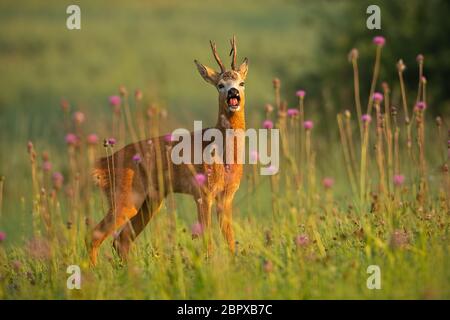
[372, 189]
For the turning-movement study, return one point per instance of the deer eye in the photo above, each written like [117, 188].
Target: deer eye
[242, 84]
[220, 86]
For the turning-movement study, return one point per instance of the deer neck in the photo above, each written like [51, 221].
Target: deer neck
[230, 120]
[234, 121]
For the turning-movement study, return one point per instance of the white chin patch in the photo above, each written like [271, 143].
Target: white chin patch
[234, 108]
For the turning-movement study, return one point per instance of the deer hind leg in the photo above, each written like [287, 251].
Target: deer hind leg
[123, 208]
[135, 226]
[224, 208]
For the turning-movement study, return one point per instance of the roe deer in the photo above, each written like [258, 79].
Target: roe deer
[136, 193]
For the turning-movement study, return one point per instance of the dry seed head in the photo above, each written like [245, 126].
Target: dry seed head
[276, 83]
[420, 58]
[393, 111]
[400, 66]
[438, 121]
[123, 91]
[353, 55]
[347, 114]
[268, 108]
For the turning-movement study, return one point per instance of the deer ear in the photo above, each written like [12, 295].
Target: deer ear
[243, 68]
[207, 73]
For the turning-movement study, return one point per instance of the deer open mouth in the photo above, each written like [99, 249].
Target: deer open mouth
[233, 102]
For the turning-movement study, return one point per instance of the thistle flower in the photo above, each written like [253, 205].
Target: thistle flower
[377, 97]
[308, 124]
[71, 139]
[328, 182]
[420, 58]
[79, 117]
[293, 112]
[379, 40]
[200, 179]
[423, 79]
[366, 118]
[399, 179]
[267, 124]
[138, 95]
[421, 105]
[302, 240]
[111, 142]
[137, 158]
[196, 229]
[2, 236]
[47, 166]
[115, 101]
[58, 180]
[168, 137]
[300, 93]
[92, 139]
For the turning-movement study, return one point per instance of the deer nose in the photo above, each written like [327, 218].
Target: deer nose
[233, 92]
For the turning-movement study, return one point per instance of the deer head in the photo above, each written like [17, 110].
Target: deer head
[229, 83]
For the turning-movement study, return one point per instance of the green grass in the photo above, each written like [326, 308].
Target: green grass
[152, 47]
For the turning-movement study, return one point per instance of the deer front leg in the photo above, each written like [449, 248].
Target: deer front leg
[225, 217]
[204, 204]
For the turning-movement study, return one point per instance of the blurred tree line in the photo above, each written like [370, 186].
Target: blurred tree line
[410, 27]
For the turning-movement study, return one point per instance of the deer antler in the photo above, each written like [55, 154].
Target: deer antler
[233, 52]
[216, 56]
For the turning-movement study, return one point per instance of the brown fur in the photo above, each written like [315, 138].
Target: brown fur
[136, 190]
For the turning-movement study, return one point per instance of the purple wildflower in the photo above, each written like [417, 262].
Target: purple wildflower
[328, 182]
[71, 139]
[137, 158]
[58, 180]
[377, 97]
[308, 124]
[302, 240]
[300, 93]
[200, 179]
[366, 118]
[92, 139]
[197, 229]
[379, 41]
[293, 112]
[115, 101]
[267, 124]
[399, 179]
[111, 142]
[47, 166]
[421, 105]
